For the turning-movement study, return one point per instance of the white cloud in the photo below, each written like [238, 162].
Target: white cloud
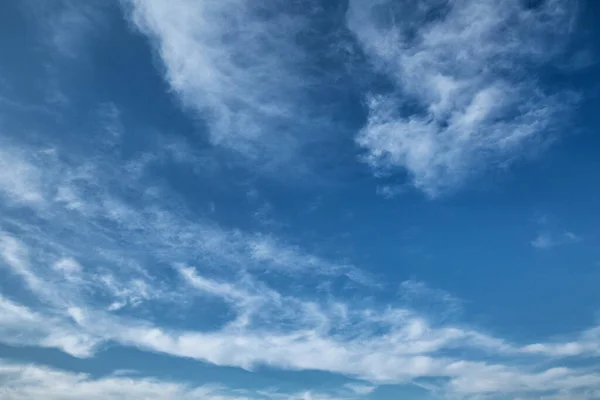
[21, 326]
[337, 338]
[501, 379]
[587, 343]
[237, 63]
[429, 300]
[392, 344]
[31, 382]
[268, 251]
[64, 283]
[16, 256]
[69, 267]
[360, 389]
[460, 95]
[547, 239]
[79, 200]
[386, 359]
[374, 343]
[391, 191]
[542, 241]
[224, 290]
[268, 328]
[20, 181]
[64, 25]
[90, 263]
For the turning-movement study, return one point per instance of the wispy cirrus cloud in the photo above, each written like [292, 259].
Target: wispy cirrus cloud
[99, 264]
[546, 239]
[19, 180]
[586, 343]
[550, 236]
[380, 345]
[361, 388]
[83, 195]
[65, 25]
[98, 282]
[462, 93]
[240, 66]
[21, 326]
[29, 382]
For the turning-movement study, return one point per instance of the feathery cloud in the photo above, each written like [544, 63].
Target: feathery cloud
[546, 239]
[462, 93]
[238, 64]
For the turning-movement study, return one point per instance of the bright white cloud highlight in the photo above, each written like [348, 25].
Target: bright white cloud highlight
[462, 94]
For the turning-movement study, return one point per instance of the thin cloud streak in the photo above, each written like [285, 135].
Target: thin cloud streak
[546, 240]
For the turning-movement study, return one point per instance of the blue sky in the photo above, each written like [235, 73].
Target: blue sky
[299, 199]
